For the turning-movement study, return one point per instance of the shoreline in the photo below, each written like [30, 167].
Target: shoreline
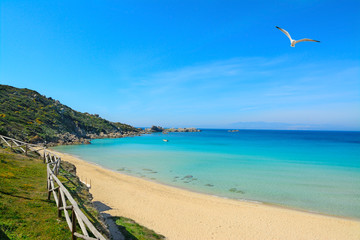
[198, 210]
[214, 195]
[275, 205]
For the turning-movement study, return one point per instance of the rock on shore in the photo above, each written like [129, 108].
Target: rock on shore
[72, 139]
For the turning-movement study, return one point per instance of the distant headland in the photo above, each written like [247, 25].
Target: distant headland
[166, 130]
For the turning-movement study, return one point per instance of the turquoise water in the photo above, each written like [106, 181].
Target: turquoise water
[310, 170]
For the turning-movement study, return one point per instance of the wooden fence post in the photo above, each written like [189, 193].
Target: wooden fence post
[73, 218]
[57, 167]
[48, 183]
[26, 149]
[60, 203]
[49, 194]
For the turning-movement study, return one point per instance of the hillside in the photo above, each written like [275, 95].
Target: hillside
[25, 212]
[27, 115]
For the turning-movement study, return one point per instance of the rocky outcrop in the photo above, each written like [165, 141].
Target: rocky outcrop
[166, 130]
[72, 139]
[182, 130]
[113, 135]
[155, 129]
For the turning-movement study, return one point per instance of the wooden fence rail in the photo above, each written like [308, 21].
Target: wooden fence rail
[25, 147]
[63, 199]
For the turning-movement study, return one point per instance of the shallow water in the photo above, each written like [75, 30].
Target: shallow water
[310, 170]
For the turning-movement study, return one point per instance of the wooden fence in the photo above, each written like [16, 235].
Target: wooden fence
[14, 144]
[63, 199]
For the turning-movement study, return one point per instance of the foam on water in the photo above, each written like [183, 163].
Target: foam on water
[310, 170]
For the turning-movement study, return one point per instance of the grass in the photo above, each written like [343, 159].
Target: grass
[133, 231]
[25, 212]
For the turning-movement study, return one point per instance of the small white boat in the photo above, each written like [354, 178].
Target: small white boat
[165, 140]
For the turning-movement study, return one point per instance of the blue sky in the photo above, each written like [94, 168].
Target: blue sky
[190, 63]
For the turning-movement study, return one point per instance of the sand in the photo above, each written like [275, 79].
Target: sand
[181, 214]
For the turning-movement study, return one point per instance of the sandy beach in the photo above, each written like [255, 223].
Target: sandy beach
[181, 214]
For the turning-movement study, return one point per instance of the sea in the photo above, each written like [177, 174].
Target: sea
[315, 171]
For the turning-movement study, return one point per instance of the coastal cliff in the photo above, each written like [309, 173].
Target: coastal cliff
[31, 117]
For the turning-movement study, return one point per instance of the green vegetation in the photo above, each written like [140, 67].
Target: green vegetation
[28, 116]
[133, 231]
[25, 212]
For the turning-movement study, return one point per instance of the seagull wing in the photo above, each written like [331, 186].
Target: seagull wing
[306, 40]
[284, 31]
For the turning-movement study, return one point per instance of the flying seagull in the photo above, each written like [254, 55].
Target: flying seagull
[293, 42]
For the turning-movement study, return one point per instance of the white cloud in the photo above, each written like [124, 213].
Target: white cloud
[250, 88]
